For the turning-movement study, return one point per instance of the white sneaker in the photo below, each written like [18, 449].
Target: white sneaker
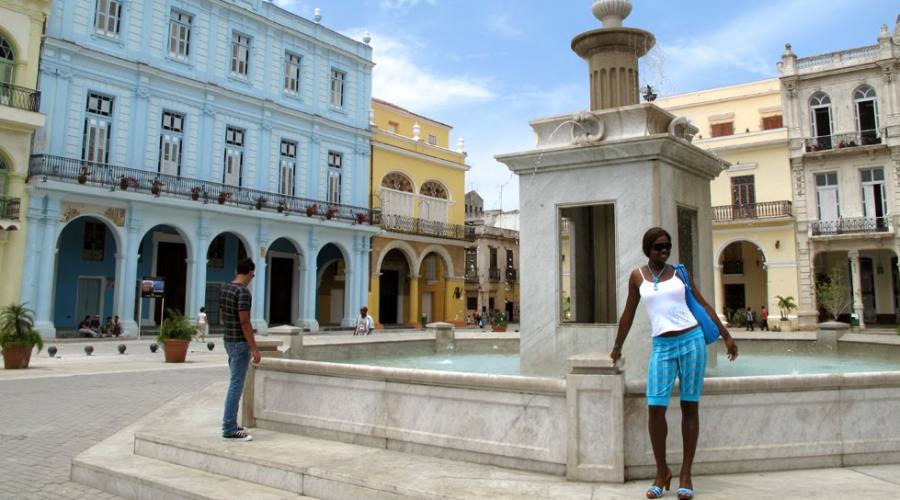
[238, 436]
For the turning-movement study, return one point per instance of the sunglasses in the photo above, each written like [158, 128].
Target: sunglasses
[659, 247]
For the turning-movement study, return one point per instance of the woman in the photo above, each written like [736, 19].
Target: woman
[678, 349]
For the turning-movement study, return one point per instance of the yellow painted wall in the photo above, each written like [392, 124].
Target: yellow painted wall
[21, 24]
[386, 112]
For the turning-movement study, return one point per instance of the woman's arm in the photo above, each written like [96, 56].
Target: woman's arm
[726, 335]
[634, 297]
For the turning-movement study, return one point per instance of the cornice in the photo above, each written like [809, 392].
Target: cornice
[419, 156]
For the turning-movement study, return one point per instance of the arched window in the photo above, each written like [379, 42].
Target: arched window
[434, 190]
[865, 107]
[820, 116]
[7, 62]
[397, 181]
[4, 174]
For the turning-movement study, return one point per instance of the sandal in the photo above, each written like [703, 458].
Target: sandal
[657, 491]
[685, 493]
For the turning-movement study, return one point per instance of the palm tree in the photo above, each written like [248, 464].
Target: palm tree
[17, 327]
[786, 305]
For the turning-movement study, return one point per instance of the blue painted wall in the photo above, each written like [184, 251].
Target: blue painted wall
[70, 266]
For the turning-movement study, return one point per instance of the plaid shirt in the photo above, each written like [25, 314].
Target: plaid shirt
[234, 298]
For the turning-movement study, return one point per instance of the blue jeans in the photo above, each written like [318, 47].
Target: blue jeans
[238, 362]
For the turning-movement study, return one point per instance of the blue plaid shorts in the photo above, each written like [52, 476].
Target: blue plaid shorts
[683, 356]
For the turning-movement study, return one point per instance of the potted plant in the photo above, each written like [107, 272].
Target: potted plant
[223, 197]
[82, 177]
[331, 213]
[361, 217]
[312, 210]
[260, 202]
[499, 323]
[195, 193]
[175, 336]
[125, 182]
[156, 188]
[786, 305]
[17, 336]
[282, 206]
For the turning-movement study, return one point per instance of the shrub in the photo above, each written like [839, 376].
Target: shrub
[17, 327]
[176, 327]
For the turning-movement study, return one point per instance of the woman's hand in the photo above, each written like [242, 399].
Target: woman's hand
[616, 354]
[731, 348]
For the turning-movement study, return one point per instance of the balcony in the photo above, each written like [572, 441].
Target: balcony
[472, 275]
[113, 177]
[733, 267]
[20, 97]
[422, 227]
[510, 274]
[843, 141]
[752, 211]
[494, 274]
[850, 225]
[9, 213]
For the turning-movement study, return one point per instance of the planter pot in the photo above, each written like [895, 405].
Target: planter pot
[15, 357]
[222, 200]
[155, 190]
[123, 186]
[259, 206]
[280, 209]
[498, 329]
[82, 179]
[310, 211]
[785, 325]
[176, 350]
[195, 196]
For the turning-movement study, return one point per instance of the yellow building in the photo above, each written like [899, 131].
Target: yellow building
[21, 26]
[418, 261]
[753, 222]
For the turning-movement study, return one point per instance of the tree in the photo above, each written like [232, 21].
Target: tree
[786, 305]
[833, 293]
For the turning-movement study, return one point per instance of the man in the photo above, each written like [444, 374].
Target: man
[240, 344]
[763, 319]
[116, 327]
[364, 323]
[85, 329]
[749, 318]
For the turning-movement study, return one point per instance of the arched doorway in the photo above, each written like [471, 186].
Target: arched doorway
[744, 279]
[222, 256]
[163, 253]
[331, 285]
[393, 299]
[7, 66]
[284, 277]
[86, 272]
[433, 272]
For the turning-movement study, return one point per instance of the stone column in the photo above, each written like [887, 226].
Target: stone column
[856, 286]
[308, 284]
[719, 305]
[46, 278]
[128, 279]
[414, 301]
[375, 300]
[351, 305]
[200, 265]
[34, 234]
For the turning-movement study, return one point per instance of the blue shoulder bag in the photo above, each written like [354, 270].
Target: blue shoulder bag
[710, 330]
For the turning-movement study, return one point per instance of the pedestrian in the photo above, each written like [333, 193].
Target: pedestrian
[678, 348]
[202, 325]
[116, 327]
[240, 344]
[763, 318]
[748, 317]
[364, 323]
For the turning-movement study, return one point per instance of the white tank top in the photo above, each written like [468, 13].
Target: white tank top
[666, 306]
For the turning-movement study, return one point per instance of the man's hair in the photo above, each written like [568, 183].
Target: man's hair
[651, 236]
[202, 309]
[245, 265]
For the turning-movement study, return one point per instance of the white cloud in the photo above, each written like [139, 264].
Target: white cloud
[403, 4]
[744, 45]
[400, 76]
[500, 23]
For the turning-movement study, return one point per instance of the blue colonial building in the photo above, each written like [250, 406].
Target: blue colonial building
[184, 134]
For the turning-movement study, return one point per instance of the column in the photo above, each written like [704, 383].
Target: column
[414, 319]
[139, 128]
[856, 286]
[203, 169]
[351, 304]
[200, 252]
[34, 233]
[309, 285]
[312, 171]
[258, 253]
[719, 304]
[47, 273]
[299, 291]
[127, 281]
[375, 300]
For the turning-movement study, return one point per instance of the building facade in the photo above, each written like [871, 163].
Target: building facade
[753, 225]
[417, 185]
[21, 27]
[183, 135]
[842, 113]
[492, 261]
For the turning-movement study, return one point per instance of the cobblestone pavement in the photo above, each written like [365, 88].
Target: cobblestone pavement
[45, 422]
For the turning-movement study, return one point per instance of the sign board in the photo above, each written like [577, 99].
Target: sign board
[153, 287]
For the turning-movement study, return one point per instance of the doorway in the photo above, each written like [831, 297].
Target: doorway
[735, 299]
[90, 299]
[867, 284]
[171, 264]
[281, 286]
[387, 298]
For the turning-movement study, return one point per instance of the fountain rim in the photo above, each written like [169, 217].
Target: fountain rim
[632, 40]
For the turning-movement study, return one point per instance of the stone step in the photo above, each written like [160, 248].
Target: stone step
[139, 478]
[334, 470]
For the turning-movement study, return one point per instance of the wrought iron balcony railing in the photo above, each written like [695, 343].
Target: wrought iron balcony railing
[9, 208]
[850, 225]
[510, 274]
[422, 227]
[841, 141]
[114, 177]
[472, 275]
[19, 97]
[494, 274]
[764, 210]
[733, 267]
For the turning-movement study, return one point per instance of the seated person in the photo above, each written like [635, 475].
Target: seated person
[106, 329]
[116, 327]
[85, 328]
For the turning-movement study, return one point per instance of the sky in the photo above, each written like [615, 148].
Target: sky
[488, 67]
